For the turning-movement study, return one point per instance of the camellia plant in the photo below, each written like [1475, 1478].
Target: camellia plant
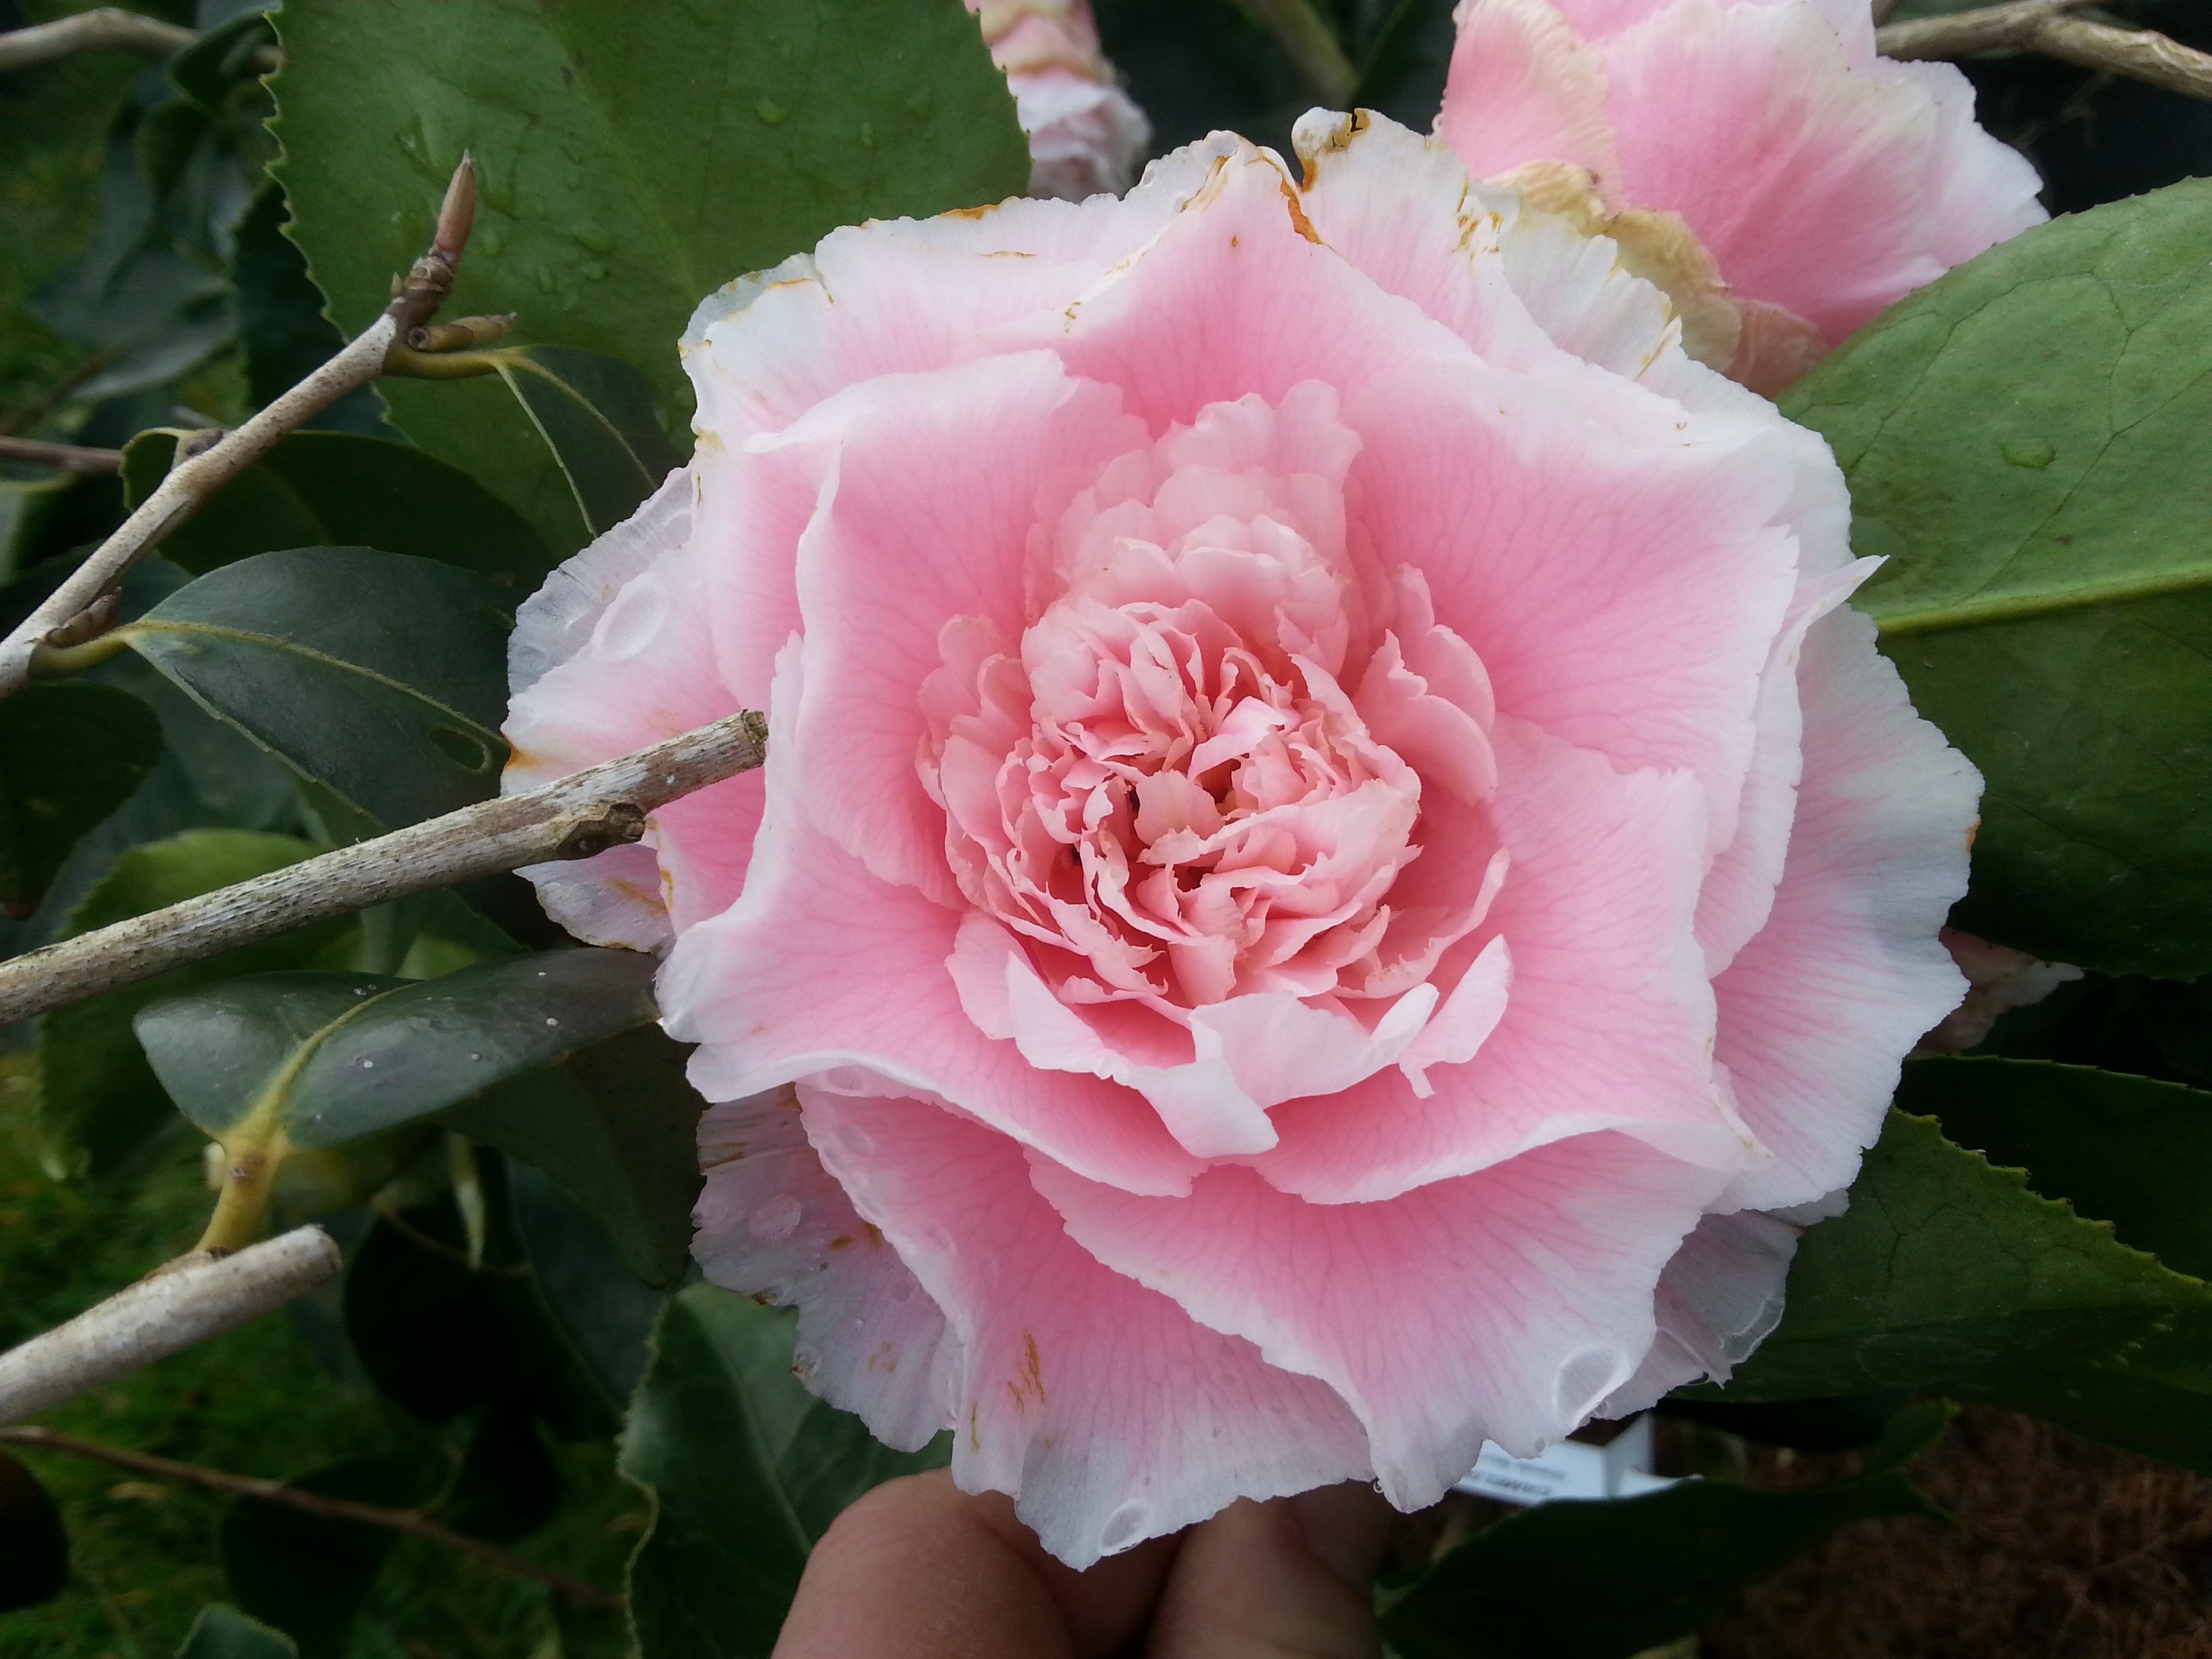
[809, 740]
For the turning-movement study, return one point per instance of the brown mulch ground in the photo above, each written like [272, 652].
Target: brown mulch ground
[2068, 1550]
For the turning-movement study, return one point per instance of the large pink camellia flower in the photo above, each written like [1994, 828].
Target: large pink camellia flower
[1754, 157]
[1328, 854]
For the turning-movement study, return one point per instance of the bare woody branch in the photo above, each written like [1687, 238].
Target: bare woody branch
[195, 478]
[330, 1509]
[192, 1300]
[584, 813]
[2044, 27]
[105, 28]
[70, 458]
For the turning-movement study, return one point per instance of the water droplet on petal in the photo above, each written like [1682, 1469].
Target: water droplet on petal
[775, 1220]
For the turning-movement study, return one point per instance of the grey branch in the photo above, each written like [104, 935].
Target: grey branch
[330, 1509]
[192, 1300]
[1307, 41]
[70, 458]
[574, 817]
[2044, 27]
[105, 28]
[197, 478]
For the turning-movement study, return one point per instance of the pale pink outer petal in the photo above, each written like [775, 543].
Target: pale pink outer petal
[1620, 564]
[1717, 1299]
[1085, 136]
[933, 486]
[771, 990]
[773, 1225]
[1610, 1017]
[1820, 1007]
[1111, 1414]
[1828, 188]
[1524, 87]
[611, 655]
[1501, 1306]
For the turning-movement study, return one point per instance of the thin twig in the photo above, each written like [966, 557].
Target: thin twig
[70, 458]
[186, 1302]
[193, 481]
[1307, 41]
[2043, 26]
[409, 1522]
[584, 813]
[106, 28]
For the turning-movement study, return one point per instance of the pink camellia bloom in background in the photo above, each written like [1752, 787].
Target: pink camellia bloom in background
[1085, 135]
[1754, 157]
[1331, 853]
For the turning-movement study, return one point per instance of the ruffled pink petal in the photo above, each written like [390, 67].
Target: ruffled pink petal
[1523, 87]
[773, 1225]
[1820, 1006]
[769, 990]
[1166, 330]
[1619, 564]
[932, 491]
[1752, 123]
[1718, 1297]
[1110, 1414]
[1502, 1306]
[1609, 1017]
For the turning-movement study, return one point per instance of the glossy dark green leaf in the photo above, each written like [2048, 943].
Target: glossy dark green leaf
[1946, 1270]
[222, 1632]
[632, 161]
[1607, 1579]
[336, 1057]
[34, 1553]
[308, 1574]
[283, 334]
[69, 754]
[341, 489]
[747, 1470]
[2128, 1150]
[2026, 441]
[507, 1484]
[439, 1335]
[604, 1310]
[98, 1098]
[596, 416]
[614, 1126]
[381, 677]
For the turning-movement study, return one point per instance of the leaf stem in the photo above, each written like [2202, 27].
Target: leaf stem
[70, 458]
[410, 1522]
[574, 817]
[103, 28]
[2043, 26]
[1311, 45]
[192, 482]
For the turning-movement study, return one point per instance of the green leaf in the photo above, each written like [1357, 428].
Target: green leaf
[222, 1632]
[283, 334]
[632, 161]
[34, 1553]
[747, 1470]
[379, 676]
[2128, 1150]
[98, 1098]
[341, 489]
[69, 754]
[507, 1485]
[595, 414]
[1607, 1579]
[308, 1574]
[332, 1058]
[1945, 1271]
[615, 1128]
[604, 1309]
[2026, 441]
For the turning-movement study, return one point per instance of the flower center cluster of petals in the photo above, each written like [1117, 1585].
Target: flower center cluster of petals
[1177, 785]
